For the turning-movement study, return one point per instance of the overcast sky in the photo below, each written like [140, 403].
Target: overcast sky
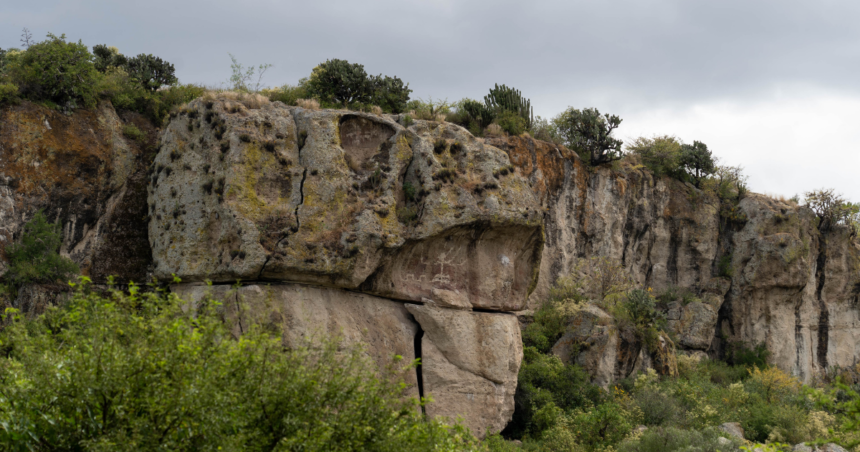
[773, 86]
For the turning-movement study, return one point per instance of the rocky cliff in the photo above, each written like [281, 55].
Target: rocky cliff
[418, 239]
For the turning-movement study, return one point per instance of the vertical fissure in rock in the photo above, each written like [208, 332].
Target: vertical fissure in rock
[239, 313]
[418, 374]
[823, 313]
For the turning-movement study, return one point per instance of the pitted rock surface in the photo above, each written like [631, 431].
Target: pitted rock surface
[343, 199]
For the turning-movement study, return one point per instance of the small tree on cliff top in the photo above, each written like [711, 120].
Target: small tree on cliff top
[831, 208]
[590, 134]
[697, 161]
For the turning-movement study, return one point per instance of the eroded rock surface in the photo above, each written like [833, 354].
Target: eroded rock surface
[81, 171]
[343, 199]
[470, 362]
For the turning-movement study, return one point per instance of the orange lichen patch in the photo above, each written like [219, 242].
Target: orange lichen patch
[530, 155]
[45, 151]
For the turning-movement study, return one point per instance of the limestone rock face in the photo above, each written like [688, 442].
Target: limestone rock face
[693, 323]
[794, 288]
[308, 313]
[82, 172]
[470, 362]
[343, 199]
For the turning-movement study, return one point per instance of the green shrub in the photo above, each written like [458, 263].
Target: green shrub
[136, 371]
[544, 379]
[56, 71]
[660, 154]
[131, 131]
[741, 354]
[604, 425]
[108, 57]
[8, 92]
[657, 407]
[724, 267]
[512, 123]
[35, 258]
[504, 100]
[343, 83]
[287, 94]
[671, 439]
[543, 129]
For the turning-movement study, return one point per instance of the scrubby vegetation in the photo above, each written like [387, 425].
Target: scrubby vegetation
[138, 370]
[35, 258]
[559, 409]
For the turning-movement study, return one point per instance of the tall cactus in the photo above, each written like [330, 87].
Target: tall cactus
[502, 98]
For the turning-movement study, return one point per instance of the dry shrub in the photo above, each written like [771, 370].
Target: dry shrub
[494, 130]
[439, 117]
[308, 104]
[253, 101]
[376, 109]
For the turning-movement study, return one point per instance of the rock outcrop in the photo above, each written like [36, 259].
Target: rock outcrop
[81, 171]
[420, 240]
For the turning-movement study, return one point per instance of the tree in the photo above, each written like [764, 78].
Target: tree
[831, 208]
[390, 93]
[35, 257]
[151, 72]
[589, 133]
[697, 161]
[731, 181]
[57, 71]
[107, 57]
[341, 82]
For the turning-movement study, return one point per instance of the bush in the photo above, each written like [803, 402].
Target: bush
[56, 71]
[344, 83]
[108, 57]
[589, 133]
[8, 92]
[544, 380]
[287, 94]
[697, 162]
[660, 154]
[831, 208]
[512, 123]
[138, 372]
[131, 131]
[151, 72]
[672, 439]
[657, 408]
[601, 426]
[741, 354]
[35, 258]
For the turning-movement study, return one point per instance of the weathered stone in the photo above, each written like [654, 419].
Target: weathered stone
[830, 447]
[734, 429]
[35, 299]
[343, 199]
[82, 172]
[694, 324]
[470, 362]
[307, 313]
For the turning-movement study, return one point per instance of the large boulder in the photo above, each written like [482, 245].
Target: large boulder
[342, 199]
[469, 364]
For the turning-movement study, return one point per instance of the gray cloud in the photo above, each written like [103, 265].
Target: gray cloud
[625, 56]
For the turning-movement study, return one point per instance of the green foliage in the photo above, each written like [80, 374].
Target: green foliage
[479, 112]
[242, 78]
[741, 354]
[831, 208]
[657, 409]
[127, 94]
[512, 123]
[640, 308]
[660, 154]
[407, 120]
[671, 439]
[589, 133]
[108, 57]
[390, 93]
[8, 92]
[697, 161]
[544, 129]
[35, 258]
[429, 109]
[602, 426]
[56, 71]
[139, 371]
[724, 267]
[287, 94]
[151, 72]
[409, 191]
[509, 100]
[131, 131]
[545, 382]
